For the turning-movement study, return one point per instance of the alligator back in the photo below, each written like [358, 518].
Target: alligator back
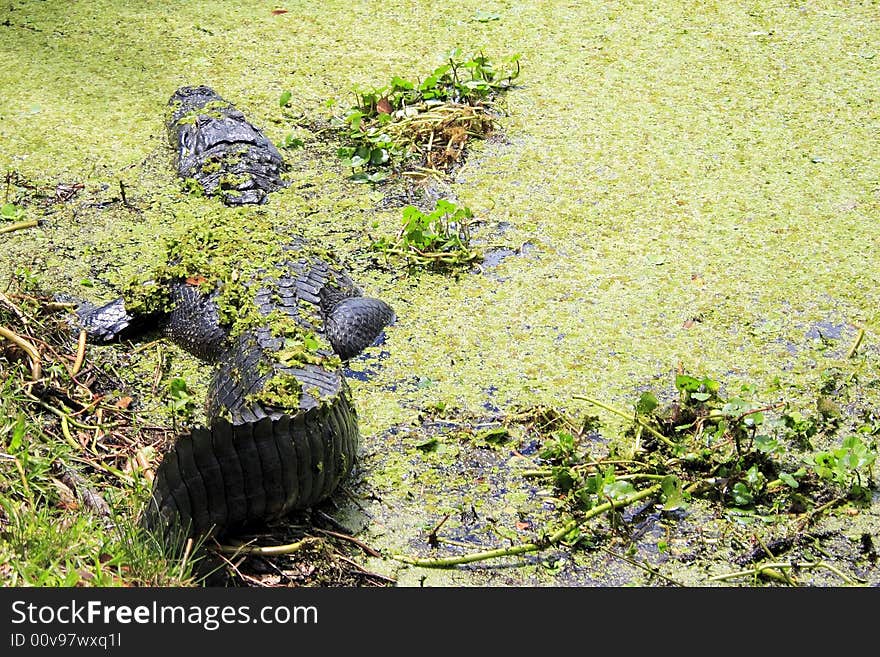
[283, 430]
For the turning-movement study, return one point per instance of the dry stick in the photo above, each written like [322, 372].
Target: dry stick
[60, 414]
[363, 570]
[631, 418]
[770, 568]
[13, 307]
[80, 354]
[271, 550]
[546, 472]
[528, 547]
[807, 517]
[363, 546]
[644, 566]
[29, 349]
[30, 223]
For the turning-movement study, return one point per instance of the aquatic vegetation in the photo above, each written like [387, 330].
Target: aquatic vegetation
[424, 124]
[702, 446]
[439, 239]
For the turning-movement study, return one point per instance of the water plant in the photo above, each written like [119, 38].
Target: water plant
[438, 239]
[425, 124]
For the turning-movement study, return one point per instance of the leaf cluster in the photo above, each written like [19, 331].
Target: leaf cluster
[438, 239]
[389, 124]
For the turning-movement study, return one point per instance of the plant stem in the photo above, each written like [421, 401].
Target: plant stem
[29, 349]
[271, 550]
[855, 346]
[632, 418]
[80, 354]
[770, 568]
[30, 223]
[556, 537]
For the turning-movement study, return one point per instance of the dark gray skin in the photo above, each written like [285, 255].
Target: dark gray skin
[221, 150]
[255, 462]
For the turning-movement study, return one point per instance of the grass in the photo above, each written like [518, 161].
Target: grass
[68, 492]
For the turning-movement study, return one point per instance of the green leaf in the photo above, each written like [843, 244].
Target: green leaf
[482, 16]
[742, 496]
[398, 83]
[564, 478]
[292, 142]
[177, 388]
[379, 156]
[429, 445]
[685, 383]
[788, 480]
[285, 98]
[618, 490]
[585, 499]
[671, 487]
[495, 435]
[647, 403]
[11, 211]
[17, 434]
[767, 445]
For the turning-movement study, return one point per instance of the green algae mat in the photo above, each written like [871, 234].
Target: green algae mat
[660, 368]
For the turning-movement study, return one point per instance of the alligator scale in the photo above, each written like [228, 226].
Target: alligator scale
[219, 150]
[282, 430]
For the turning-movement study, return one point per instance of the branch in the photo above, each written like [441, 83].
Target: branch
[556, 537]
[632, 418]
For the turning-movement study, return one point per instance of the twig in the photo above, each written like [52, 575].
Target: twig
[782, 575]
[646, 567]
[432, 535]
[769, 568]
[271, 550]
[60, 414]
[363, 571]
[524, 548]
[29, 349]
[122, 194]
[13, 307]
[363, 546]
[65, 430]
[855, 346]
[770, 407]
[80, 354]
[627, 416]
[30, 223]
[809, 515]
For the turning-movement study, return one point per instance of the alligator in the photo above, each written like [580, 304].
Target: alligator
[219, 151]
[282, 430]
